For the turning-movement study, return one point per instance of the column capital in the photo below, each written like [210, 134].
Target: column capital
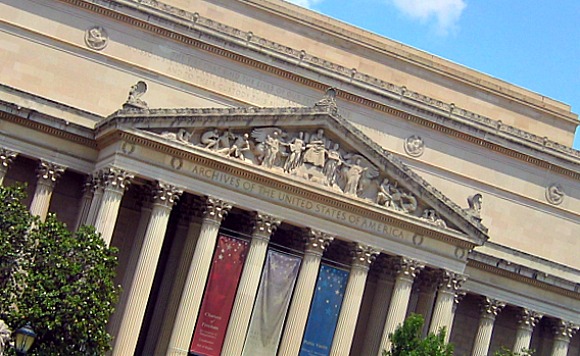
[490, 308]
[459, 295]
[317, 241]
[265, 225]
[405, 267]
[450, 282]
[6, 157]
[528, 318]
[564, 330]
[428, 281]
[165, 194]
[216, 209]
[49, 172]
[363, 255]
[114, 178]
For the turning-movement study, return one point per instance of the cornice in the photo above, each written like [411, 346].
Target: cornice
[524, 274]
[47, 124]
[402, 103]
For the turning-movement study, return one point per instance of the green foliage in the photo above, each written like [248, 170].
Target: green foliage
[62, 283]
[407, 340]
[507, 352]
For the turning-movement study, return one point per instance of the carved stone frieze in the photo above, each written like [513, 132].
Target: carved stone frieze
[491, 307]
[431, 216]
[555, 194]
[391, 196]
[414, 146]
[216, 209]
[96, 38]
[48, 172]
[265, 225]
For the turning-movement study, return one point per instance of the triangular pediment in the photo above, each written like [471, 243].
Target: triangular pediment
[306, 144]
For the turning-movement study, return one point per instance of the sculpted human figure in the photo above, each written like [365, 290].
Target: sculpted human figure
[384, 197]
[210, 138]
[333, 161]
[135, 94]
[353, 176]
[223, 144]
[241, 144]
[408, 202]
[296, 148]
[315, 149]
[272, 149]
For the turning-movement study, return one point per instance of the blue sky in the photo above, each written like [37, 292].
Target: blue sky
[531, 43]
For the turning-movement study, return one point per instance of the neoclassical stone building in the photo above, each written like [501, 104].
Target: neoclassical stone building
[280, 183]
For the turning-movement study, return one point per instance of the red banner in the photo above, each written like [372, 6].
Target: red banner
[218, 299]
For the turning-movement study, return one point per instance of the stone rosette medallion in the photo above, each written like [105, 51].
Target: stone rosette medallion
[555, 194]
[414, 146]
[96, 38]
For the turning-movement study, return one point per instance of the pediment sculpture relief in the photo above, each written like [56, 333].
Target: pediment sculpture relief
[313, 157]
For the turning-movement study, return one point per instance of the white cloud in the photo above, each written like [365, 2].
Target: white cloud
[305, 3]
[446, 12]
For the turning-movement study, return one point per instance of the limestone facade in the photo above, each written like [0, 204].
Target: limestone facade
[167, 125]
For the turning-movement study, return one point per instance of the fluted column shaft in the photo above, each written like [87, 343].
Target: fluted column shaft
[115, 182]
[86, 200]
[378, 314]
[165, 197]
[189, 244]
[527, 320]
[406, 269]
[6, 158]
[145, 217]
[98, 190]
[449, 283]
[248, 287]
[300, 305]
[48, 174]
[563, 333]
[342, 341]
[489, 310]
[196, 279]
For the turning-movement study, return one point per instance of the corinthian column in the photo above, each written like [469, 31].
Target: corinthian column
[427, 289]
[380, 307]
[6, 158]
[192, 293]
[406, 271]
[97, 189]
[264, 226]
[363, 257]
[527, 320]
[449, 284]
[489, 310]
[88, 193]
[164, 198]
[316, 243]
[48, 173]
[563, 332]
[114, 181]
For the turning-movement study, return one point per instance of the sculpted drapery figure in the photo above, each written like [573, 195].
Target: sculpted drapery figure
[272, 149]
[296, 148]
[333, 161]
[315, 149]
[353, 175]
[241, 145]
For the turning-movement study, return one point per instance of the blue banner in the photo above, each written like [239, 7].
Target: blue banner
[324, 311]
